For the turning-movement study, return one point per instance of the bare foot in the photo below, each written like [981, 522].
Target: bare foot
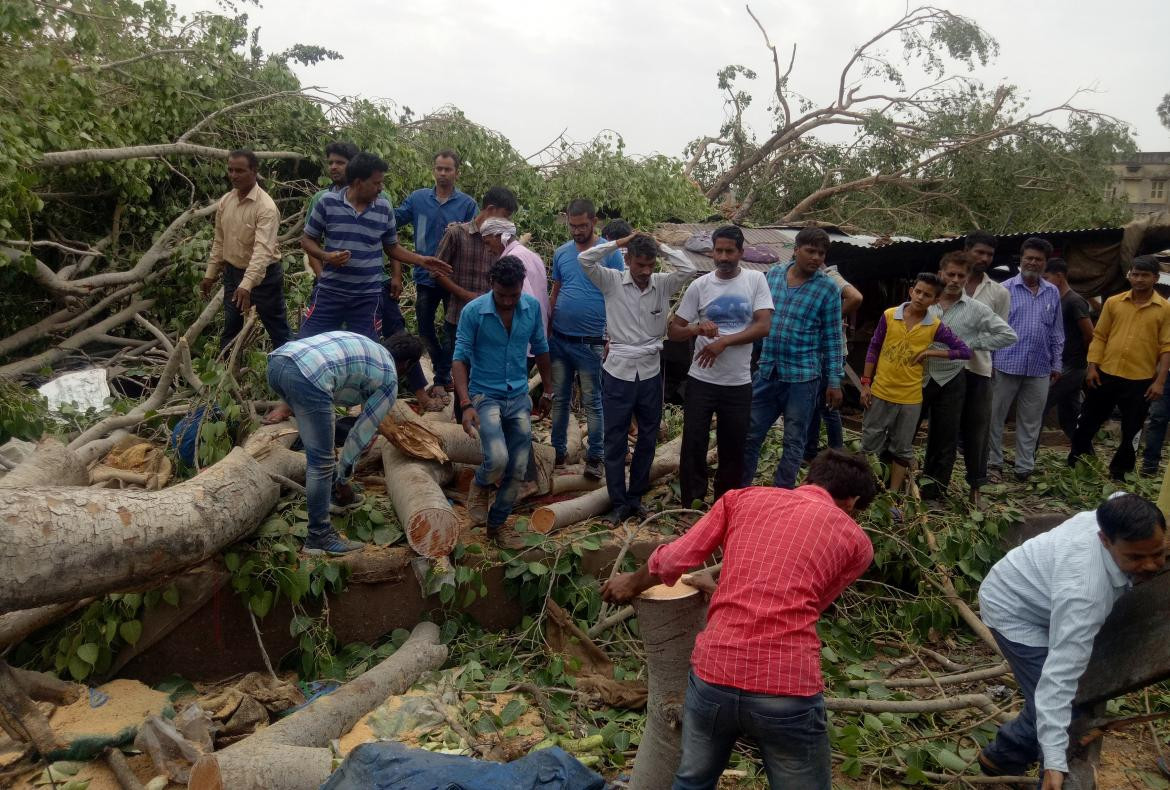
[279, 413]
[437, 392]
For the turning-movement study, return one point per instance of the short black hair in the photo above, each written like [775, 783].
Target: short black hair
[363, 165]
[1056, 266]
[931, 279]
[405, 348]
[1146, 263]
[501, 197]
[246, 153]
[581, 206]
[507, 271]
[1129, 517]
[955, 258]
[343, 148]
[642, 247]
[844, 475]
[979, 237]
[813, 237]
[729, 232]
[616, 229]
[449, 153]
[1036, 243]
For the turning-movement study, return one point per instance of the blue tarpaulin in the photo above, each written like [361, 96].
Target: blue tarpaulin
[389, 765]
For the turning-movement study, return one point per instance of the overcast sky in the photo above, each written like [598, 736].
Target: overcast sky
[646, 68]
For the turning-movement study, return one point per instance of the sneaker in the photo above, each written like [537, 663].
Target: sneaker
[331, 543]
[1022, 477]
[559, 461]
[477, 503]
[594, 469]
[994, 474]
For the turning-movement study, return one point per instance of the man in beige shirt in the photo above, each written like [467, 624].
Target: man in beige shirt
[246, 224]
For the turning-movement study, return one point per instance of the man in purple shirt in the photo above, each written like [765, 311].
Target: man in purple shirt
[1024, 370]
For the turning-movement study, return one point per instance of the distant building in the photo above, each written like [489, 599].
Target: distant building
[1143, 182]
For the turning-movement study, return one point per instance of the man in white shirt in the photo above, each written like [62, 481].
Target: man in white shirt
[1044, 602]
[725, 311]
[637, 304]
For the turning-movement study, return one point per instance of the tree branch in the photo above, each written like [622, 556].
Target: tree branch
[87, 155]
[99, 67]
[185, 136]
[75, 342]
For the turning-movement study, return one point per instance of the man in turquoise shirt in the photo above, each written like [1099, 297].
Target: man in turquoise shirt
[490, 368]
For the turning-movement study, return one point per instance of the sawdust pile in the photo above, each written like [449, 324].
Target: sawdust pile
[129, 704]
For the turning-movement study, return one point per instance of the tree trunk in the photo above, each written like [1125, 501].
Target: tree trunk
[293, 753]
[15, 627]
[51, 463]
[570, 511]
[43, 687]
[20, 717]
[669, 619]
[415, 488]
[73, 542]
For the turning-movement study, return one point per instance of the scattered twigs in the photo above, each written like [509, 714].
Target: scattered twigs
[76, 341]
[292, 485]
[959, 702]
[547, 714]
[943, 661]
[154, 330]
[214, 305]
[260, 642]
[941, 680]
[949, 779]
[121, 770]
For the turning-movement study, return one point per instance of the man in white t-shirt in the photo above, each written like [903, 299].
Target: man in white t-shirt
[725, 311]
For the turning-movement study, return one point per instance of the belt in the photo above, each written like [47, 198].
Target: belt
[585, 339]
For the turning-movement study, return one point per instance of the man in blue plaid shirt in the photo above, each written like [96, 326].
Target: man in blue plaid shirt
[346, 369]
[803, 346]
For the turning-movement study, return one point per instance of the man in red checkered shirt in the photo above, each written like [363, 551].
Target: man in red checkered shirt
[756, 668]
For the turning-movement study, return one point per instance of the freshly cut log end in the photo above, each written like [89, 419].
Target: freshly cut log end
[668, 592]
[432, 532]
[422, 508]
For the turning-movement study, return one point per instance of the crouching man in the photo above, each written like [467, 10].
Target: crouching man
[490, 371]
[756, 667]
[345, 369]
[1044, 603]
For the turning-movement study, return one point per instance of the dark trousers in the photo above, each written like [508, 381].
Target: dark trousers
[942, 404]
[332, 311]
[1129, 396]
[1156, 433]
[834, 431]
[1016, 747]
[426, 308]
[389, 323]
[974, 426]
[732, 406]
[622, 400]
[267, 298]
[1066, 396]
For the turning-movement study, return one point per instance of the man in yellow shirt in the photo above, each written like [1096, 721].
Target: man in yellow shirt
[1128, 360]
[246, 224]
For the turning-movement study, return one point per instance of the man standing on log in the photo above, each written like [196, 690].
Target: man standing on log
[637, 304]
[1044, 602]
[756, 668]
[1128, 360]
[1024, 370]
[491, 382]
[246, 224]
[313, 375]
[802, 350]
[724, 311]
[578, 336]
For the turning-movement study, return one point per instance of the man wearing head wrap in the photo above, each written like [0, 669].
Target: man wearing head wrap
[500, 236]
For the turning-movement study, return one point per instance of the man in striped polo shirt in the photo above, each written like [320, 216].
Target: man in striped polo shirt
[356, 225]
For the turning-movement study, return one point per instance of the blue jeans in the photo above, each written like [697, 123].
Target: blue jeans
[569, 359]
[791, 733]
[770, 399]
[833, 428]
[1156, 433]
[505, 436]
[426, 307]
[1015, 747]
[313, 409]
[625, 399]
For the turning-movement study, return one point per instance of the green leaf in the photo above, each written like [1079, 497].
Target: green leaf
[131, 631]
[171, 595]
[299, 624]
[78, 669]
[621, 740]
[261, 603]
[88, 653]
[537, 568]
[829, 654]
[132, 601]
[512, 711]
[499, 683]
[949, 760]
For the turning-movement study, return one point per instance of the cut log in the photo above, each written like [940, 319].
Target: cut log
[17, 626]
[20, 717]
[51, 463]
[568, 484]
[574, 442]
[293, 753]
[595, 503]
[72, 542]
[669, 619]
[43, 687]
[415, 488]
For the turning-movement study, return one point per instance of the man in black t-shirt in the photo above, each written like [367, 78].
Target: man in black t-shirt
[1066, 394]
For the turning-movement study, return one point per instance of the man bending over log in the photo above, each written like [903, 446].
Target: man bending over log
[756, 668]
[1044, 603]
[346, 369]
[495, 332]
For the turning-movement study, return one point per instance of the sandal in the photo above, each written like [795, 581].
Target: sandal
[439, 392]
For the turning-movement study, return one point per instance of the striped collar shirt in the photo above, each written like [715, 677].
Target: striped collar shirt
[337, 225]
[1038, 321]
[977, 326]
[245, 235]
[1055, 591]
[787, 555]
[995, 296]
[635, 319]
[470, 259]
[353, 370]
[804, 342]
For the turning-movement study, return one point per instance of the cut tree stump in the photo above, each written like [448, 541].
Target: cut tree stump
[669, 619]
[293, 753]
[415, 488]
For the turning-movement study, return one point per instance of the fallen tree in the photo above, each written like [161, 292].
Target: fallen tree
[415, 488]
[293, 754]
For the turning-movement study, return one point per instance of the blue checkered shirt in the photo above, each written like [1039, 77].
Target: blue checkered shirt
[805, 340]
[1038, 321]
[353, 370]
